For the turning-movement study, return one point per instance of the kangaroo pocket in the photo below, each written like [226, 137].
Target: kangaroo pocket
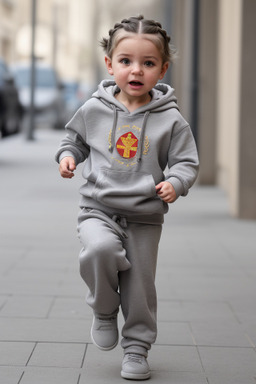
[129, 191]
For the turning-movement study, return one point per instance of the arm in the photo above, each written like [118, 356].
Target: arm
[74, 144]
[183, 166]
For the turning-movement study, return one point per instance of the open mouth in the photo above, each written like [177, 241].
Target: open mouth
[135, 83]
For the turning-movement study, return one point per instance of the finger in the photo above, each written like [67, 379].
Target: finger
[65, 172]
[163, 192]
[67, 175]
[71, 166]
[159, 186]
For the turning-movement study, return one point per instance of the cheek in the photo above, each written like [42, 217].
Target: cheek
[154, 76]
[121, 74]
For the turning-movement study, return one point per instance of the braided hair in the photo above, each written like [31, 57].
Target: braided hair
[141, 26]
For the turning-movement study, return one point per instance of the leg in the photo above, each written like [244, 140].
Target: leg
[137, 288]
[101, 257]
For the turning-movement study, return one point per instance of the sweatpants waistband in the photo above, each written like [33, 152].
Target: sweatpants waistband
[156, 218]
[116, 222]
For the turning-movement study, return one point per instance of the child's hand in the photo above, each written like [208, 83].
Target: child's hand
[166, 192]
[67, 166]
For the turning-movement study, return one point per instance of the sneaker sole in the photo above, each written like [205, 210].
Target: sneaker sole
[134, 376]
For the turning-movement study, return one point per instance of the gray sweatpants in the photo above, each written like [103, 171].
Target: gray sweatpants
[118, 265]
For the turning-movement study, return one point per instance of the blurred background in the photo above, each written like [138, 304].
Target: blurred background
[213, 74]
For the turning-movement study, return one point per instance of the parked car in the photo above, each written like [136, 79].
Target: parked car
[48, 97]
[10, 108]
[75, 94]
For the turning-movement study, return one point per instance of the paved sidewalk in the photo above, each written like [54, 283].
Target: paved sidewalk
[206, 283]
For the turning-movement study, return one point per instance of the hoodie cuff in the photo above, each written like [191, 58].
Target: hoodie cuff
[177, 185]
[65, 154]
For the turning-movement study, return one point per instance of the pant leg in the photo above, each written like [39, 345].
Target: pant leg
[137, 287]
[101, 258]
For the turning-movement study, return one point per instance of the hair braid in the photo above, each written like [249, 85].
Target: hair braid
[141, 26]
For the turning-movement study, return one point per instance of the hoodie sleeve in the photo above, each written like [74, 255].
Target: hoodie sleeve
[183, 161]
[74, 144]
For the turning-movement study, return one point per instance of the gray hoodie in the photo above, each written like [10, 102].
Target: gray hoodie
[128, 152]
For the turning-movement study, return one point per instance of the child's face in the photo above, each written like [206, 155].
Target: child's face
[136, 65]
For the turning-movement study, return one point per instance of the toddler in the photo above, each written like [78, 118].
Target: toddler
[128, 133]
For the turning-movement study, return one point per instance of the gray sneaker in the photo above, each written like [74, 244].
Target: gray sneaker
[135, 367]
[104, 332]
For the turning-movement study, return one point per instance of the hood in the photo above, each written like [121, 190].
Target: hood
[162, 95]
[162, 98]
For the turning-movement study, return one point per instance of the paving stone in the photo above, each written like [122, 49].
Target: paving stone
[50, 376]
[170, 310]
[175, 358]
[10, 286]
[250, 331]
[33, 277]
[170, 333]
[244, 310]
[8, 258]
[100, 365]
[46, 261]
[177, 378]
[213, 288]
[195, 310]
[77, 289]
[228, 360]
[219, 333]
[63, 355]
[242, 251]
[207, 311]
[231, 378]
[75, 308]
[45, 330]
[10, 375]
[165, 289]
[13, 353]
[113, 376]
[24, 306]
[3, 300]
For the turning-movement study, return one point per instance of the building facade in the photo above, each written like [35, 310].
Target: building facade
[225, 86]
[7, 29]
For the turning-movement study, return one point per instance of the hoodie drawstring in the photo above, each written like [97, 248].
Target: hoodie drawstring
[113, 131]
[141, 143]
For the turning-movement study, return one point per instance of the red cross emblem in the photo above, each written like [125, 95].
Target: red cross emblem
[127, 145]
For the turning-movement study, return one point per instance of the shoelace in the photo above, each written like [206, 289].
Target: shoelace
[106, 323]
[135, 358]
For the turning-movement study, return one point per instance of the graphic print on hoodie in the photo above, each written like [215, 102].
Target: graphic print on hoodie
[128, 152]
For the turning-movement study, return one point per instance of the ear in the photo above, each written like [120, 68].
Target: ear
[108, 63]
[164, 69]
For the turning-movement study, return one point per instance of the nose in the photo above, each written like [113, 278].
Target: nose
[137, 69]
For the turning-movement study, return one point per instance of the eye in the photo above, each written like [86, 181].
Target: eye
[149, 63]
[125, 61]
